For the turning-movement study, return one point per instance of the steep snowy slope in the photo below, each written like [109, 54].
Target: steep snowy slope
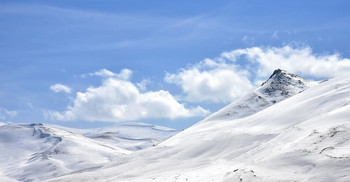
[127, 135]
[303, 138]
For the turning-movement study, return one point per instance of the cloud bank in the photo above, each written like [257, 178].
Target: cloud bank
[229, 76]
[118, 99]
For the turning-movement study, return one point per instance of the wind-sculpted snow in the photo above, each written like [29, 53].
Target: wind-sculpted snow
[304, 137]
[35, 152]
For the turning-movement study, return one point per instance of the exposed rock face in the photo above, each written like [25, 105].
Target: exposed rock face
[282, 84]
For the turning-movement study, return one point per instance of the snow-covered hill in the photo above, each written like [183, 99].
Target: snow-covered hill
[127, 135]
[305, 137]
[35, 152]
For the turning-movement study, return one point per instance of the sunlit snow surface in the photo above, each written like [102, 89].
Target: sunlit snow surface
[35, 152]
[302, 138]
[127, 135]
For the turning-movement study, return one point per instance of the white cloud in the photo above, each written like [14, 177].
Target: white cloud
[11, 113]
[60, 88]
[211, 80]
[120, 100]
[248, 40]
[222, 79]
[275, 35]
[124, 74]
[143, 84]
[295, 60]
[244, 38]
[104, 73]
[229, 76]
[5, 114]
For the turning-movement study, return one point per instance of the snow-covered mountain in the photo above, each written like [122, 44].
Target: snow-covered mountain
[305, 137]
[35, 152]
[279, 86]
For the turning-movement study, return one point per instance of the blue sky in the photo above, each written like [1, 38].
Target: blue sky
[93, 63]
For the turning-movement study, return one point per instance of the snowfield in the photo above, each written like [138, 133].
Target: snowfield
[127, 135]
[302, 138]
[35, 152]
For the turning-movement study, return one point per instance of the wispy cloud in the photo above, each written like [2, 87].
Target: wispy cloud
[6, 114]
[275, 35]
[144, 28]
[124, 74]
[143, 84]
[60, 88]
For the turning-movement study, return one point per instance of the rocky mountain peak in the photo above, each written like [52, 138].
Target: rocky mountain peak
[283, 84]
[283, 77]
[278, 72]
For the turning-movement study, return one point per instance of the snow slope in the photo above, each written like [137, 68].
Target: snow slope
[35, 152]
[127, 135]
[302, 138]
